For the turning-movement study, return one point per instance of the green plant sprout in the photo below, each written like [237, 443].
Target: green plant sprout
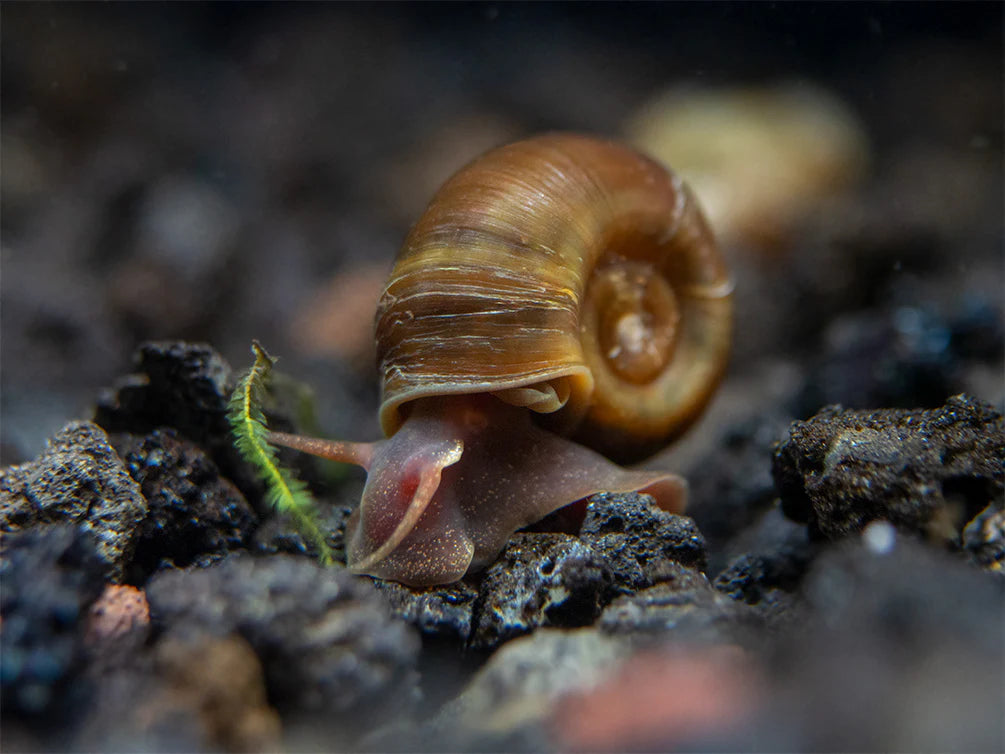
[284, 491]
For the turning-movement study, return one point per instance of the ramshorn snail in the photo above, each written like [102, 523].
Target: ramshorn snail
[558, 287]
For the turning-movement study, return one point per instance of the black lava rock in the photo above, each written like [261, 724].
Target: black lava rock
[683, 605]
[768, 578]
[640, 541]
[551, 579]
[540, 580]
[196, 516]
[725, 503]
[326, 640]
[278, 534]
[176, 384]
[187, 386]
[78, 478]
[51, 576]
[444, 611]
[927, 471]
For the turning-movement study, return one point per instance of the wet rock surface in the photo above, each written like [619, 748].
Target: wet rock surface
[441, 611]
[984, 538]
[176, 384]
[642, 543]
[186, 387]
[540, 580]
[79, 479]
[278, 534]
[770, 573]
[195, 515]
[181, 179]
[926, 471]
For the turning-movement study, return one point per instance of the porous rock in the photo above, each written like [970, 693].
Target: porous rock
[770, 569]
[724, 504]
[444, 611]
[51, 576]
[641, 542]
[552, 579]
[195, 516]
[187, 386]
[540, 580]
[77, 478]
[326, 639]
[681, 606]
[925, 470]
[277, 534]
[175, 383]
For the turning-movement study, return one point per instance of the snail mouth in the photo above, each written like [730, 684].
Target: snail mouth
[393, 503]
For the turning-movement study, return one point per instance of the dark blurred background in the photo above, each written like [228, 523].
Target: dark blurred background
[223, 172]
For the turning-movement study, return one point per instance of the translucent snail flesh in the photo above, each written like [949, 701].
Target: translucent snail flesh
[558, 287]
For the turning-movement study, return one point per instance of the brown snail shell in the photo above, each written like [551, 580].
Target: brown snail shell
[563, 274]
[567, 274]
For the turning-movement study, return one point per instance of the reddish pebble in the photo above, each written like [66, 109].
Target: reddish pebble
[118, 610]
[660, 699]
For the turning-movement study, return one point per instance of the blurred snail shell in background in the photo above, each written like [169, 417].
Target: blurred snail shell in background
[758, 157]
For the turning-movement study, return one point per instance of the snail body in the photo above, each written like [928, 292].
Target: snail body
[558, 287]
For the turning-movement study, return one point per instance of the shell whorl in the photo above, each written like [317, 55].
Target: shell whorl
[569, 274]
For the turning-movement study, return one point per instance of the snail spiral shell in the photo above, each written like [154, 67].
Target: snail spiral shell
[562, 274]
[567, 274]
